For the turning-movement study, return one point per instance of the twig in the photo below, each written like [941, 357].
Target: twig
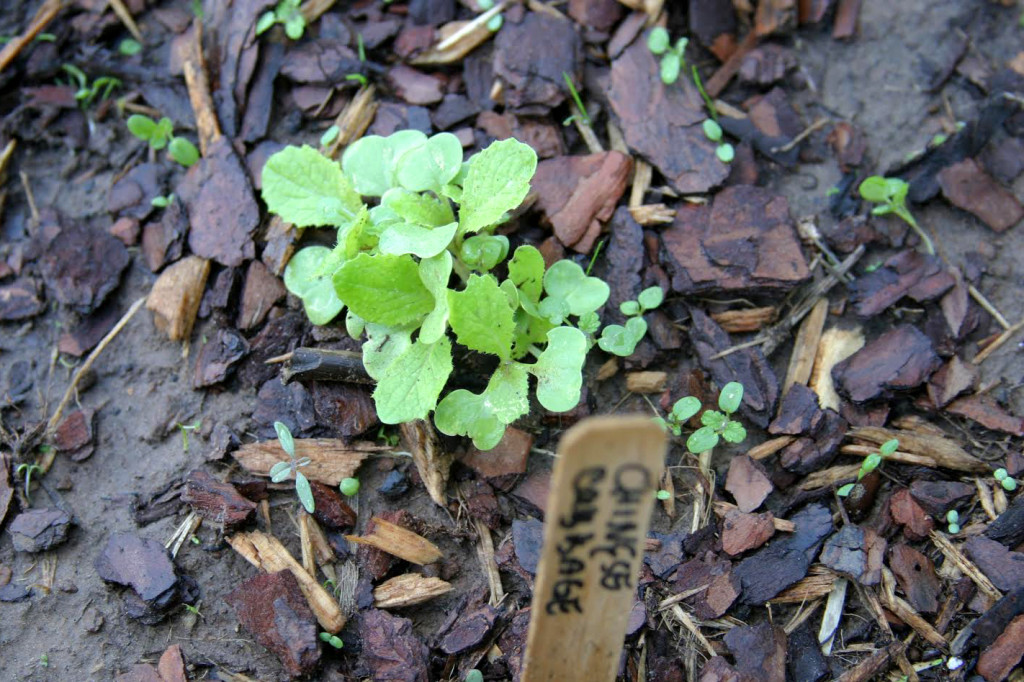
[989, 308]
[817, 125]
[997, 343]
[199, 92]
[85, 366]
[126, 18]
[46, 13]
[480, 20]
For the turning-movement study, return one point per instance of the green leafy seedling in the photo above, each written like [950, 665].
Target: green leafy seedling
[183, 151]
[160, 134]
[349, 487]
[129, 47]
[162, 201]
[86, 94]
[663, 495]
[1008, 483]
[185, 430]
[870, 463]
[333, 640]
[474, 675]
[891, 196]
[283, 470]
[718, 424]
[28, 470]
[621, 340]
[288, 14]
[672, 60]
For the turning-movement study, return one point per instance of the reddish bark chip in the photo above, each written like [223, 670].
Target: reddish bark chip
[900, 359]
[952, 379]
[74, 434]
[415, 87]
[506, 458]
[390, 648]
[722, 585]
[531, 56]
[469, 630]
[1003, 567]
[544, 138]
[218, 356]
[908, 513]
[216, 501]
[1002, 656]
[938, 497]
[172, 665]
[748, 482]
[910, 274]
[262, 289]
[741, 531]
[82, 266]
[969, 187]
[760, 651]
[600, 15]
[90, 331]
[855, 552]
[987, 412]
[916, 576]
[346, 409]
[20, 299]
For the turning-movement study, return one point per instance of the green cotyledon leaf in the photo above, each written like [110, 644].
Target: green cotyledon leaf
[559, 369]
[384, 289]
[484, 417]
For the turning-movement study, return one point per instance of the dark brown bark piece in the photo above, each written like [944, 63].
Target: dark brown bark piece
[900, 359]
[164, 239]
[323, 61]
[531, 56]
[766, 64]
[20, 300]
[390, 648]
[772, 569]
[916, 576]
[6, 494]
[82, 266]
[849, 144]
[742, 532]
[344, 409]
[624, 258]
[172, 665]
[415, 87]
[722, 581]
[662, 123]
[133, 193]
[222, 208]
[89, 331]
[216, 501]
[277, 337]
[544, 137]
[711, 19]
[330, 508]
[1003, 655]
[798, 413]
[38, 530]
[1008, 528]
[527, 537]
[938, 497]
[575, 193]
[856, 553]
[806, 662]
[717, 669]
[966, 185]
[145, 566]
[218, 356]
[745, 242]
[952, 379]
[273, 609]
[908, 513]
[774, 16]
[469, 630]
[1003, 567]
[987, 412]
[748, 482]
[600, 15]
[291, 405]
[760, 650]
[909, 273]
[508, 457]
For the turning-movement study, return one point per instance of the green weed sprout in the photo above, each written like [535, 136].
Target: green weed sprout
[474, 675]
[663, 495]
[287, 13]
[333, 640]
[160, 134]
[185, 430]
[282, 470]
[621, 340]
[672, 60]
[28, 470]
[86, 94]
[349, 487]
[162, 201]
[1008, 482]
[953, 519]
[129, 47]
[870, 463]
[577, 100]
[891, 195]
[715, 424]
[420, 263]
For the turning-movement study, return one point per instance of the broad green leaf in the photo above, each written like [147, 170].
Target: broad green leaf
[431, 165]
[559, 369]
[306, 189]
[845, 490]
[484, 251]
[566, 281]
[890, 446]
[636, 327]
[280, 471]
[409, 387]
[685, 408]
[714, 419]
[484, 417]
[141, 126]
[734, 432]
[370, 161]
[384, 289]
[875, 189]
[617, 340]
[419, 209]
[530, 329]
[498, 181]
[731, 396]
[183, 151]
[425, 242]
[481, 316]
[658, 40]
[302, 489]
[383, 344]
[435, 273]
[651, 298]
[555, 310]
[702, 440]
[284, 436]
[526, 270]
[304, 277]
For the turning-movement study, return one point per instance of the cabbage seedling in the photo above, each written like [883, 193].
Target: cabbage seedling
[870, 463]
[621, 340]
[715, 424]
[282, 470]
[160, 134]
[1003, 477]
[286, 13]
[891, 196]
[672, 60]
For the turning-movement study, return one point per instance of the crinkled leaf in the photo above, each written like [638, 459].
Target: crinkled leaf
[303, 276]
[731, 396]
[498, 181]
[734, 432]
[371, 160]
[383, 344]
[685, 408]
[481, 316]
[435, 273]
[425, 242]
[306, 189]
[384, 289]
[284, 436]
[702, 440]
[651, 298]
[526, 270]
[431, 165]
[484, 417]
[559, 369]
[566, 281]
[588, 323]
[419, 209]
[714, 419]
[409, 387]
[304, 492]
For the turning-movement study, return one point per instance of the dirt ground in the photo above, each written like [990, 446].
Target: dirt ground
[142, 387]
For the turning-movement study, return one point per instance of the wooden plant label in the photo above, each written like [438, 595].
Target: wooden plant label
[599, 509]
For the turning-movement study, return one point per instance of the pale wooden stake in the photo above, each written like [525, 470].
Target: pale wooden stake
[602, 493]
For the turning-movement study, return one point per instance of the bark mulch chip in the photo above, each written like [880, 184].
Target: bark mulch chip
[969, 187]
[217, 358]
[855, 552]
[900, 359]
[145, 566]
[218, 502]
[38, 530]
[915, 574]
[908, 274]
[21, 299]
[89, 331]
[469, 630]
[530, 58]
[760, 651]
[391, 650]
[1003, 567]
[82, 266]
[748, 482]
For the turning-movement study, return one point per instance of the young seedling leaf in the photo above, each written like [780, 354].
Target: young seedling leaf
[889, 447]
[303, 277]
[383, 289]
[870, 463]
[183, 151]
[845, 490]
[588, 323]
[435, 273]
[408, 389]
[617, 340]
[383, 345]
[354, 325]
[559, 369]
[725, 152]
[630, 307]
[419, 209]
[498, 181]
[671, 63]
[714, 419]
[734, 432]
[731, 396]
[526, 270]
[685, 408]
[371, 161]
[566, 281]
[481, 317]
[484, 417]
[702, 440]
[142, 127]
[651, 298]
[658, 40]
[305, 493]
[432, 165]
[874, 189]
[307, 189]
[284, 436]
[636, 327]
[425, 242]
[712, 130]
[280, 471]
[484, 251]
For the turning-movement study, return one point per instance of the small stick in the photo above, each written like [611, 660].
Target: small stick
[817, 125]
[997, 343]
[323, 365]
[769, 447]
[805, 347]
[642, 172]
[726, 71]
[126, 18]
[44, 15]
[85, 366]
[5, 155]
[354, 119]
[479, 21]
[989, 308]
[954, 555]
[30, 197]
[199, 92]
[485, 552]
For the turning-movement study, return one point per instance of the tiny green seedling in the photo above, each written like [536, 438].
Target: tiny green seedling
[358, 77]
[390, 439]
[663, 495]
[286, 13]
[870, 463]
[716, 424]
[333, 640]
[621, 340]
[185, 430]
[891, 195]
[193, 609]
[129, 47]
[724, 151]
[1003, 477]
[44, 660]
[330, 135]
[86, 94]
[28, 470]
[953, 521]
[582, 114]
[162, 201]
[672, 60]
[474, 675]
[349, 487]
[282, 470]
[160, 134]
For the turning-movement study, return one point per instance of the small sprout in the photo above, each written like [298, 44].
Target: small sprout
[1000, 474]
[282, 470]
[891, 195]
[650, 298]
[333, 640]
[28, 470]
[712, 130]
[672, 60]
[889, 447]
[658, 40]
[1003, 477]
[845, 490]
[725, 153]
[194, 540]
[953, 519]
[287, 13]
[129, 47]
[102, 87]
[621, 340]
[185, 430]
[193, 609]
[284, 436]
[161, 201]
[358, 77]
[494, 23]
[584, 116]
[349, 487]
[664, 495]
[474, 675]
[183, 151]
[360, 47]
[44, 660]
[730, 397]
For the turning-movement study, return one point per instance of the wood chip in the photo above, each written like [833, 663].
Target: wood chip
[459, 38]
[485, 553]
[943, 451]
[957, 558]
[835, 346]
[652, 214]
[818, 583]
[408, 589]
[769, 447]
[747, 320]
[906, 612]
[399, 542]
[176, 295]
[199, 93]
[431, 459]
[805, 347]
[267, 553]
[646, 382]
[331, 459]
